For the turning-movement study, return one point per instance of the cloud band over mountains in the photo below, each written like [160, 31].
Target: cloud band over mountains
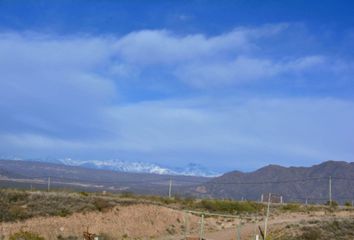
[163, 96]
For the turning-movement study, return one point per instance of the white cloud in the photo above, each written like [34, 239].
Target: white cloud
[239, 57]
[311, 129]
[66, 95]
[233, 58]
[239, 133]
[164, 47]
[40, 142]
[243, 70]
[52, 84]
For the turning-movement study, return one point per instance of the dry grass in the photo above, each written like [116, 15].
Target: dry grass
[20, 205]
[339, 229]
[65, 215]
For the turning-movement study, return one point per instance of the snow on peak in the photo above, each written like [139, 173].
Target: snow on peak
[139, 167]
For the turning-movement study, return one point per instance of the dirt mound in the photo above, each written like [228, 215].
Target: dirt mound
[142, 221]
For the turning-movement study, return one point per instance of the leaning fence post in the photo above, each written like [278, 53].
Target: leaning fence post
[201, 234]
[267, 215]
[238, 231]
[185, 224]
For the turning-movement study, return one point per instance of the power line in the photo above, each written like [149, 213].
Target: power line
[166, 180]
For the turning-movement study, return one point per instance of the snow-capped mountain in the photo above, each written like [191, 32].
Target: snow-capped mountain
[191, 169]
[118, 165]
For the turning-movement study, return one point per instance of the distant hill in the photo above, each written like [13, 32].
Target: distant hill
[191, 169]
[293, 183]
[26, 174]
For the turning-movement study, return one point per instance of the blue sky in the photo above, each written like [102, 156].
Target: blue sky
[227, 84]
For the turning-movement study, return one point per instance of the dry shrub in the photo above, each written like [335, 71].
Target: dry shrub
[102, 204]
[23, 235]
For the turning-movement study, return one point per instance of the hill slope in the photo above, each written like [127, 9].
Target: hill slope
[26, 173]
[293, 183]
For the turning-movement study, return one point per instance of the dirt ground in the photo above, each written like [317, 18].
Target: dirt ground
[144, 221]
[136, 221]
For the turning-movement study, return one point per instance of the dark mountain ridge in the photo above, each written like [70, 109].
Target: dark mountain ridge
[293, 183]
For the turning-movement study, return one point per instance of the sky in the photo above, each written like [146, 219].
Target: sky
[231, 85]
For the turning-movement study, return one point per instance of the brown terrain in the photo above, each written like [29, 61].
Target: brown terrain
[149, 221]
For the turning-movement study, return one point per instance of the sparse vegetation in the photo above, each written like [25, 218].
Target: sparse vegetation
[20, 205]
[333, 204]
[102, 204]
[291, 207]
[317, 230]
[60, 237]
[228, 206]
[23, 235]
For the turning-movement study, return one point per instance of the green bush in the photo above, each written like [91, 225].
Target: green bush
[311, 234]
[85, 194]
[229, 206]
[19, 205]
[17, 196]
[60, 237]
[18, 212]
[332, 204]
[102, 204]
[64, 212]
[291, 207]
[127, 195]
[24, 235]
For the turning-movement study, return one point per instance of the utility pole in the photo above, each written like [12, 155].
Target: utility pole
[266, 220]
[262, 198]
[170, 189]
[48, 184]
[330, 190]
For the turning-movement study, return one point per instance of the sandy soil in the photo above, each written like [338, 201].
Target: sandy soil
[136, 221]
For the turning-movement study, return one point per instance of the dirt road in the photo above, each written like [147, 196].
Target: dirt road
[248, 230]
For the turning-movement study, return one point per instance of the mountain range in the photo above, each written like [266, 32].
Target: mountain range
[191, 169]
[38, 175]
[293, 184]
